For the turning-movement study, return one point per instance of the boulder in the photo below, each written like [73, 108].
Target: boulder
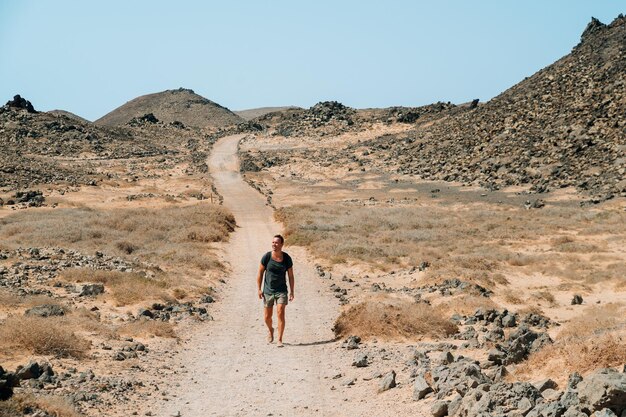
[31, 370]
[421, 388]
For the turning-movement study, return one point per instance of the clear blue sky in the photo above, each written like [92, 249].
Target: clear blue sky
[89, 57]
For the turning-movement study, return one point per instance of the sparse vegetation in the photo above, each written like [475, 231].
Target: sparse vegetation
[478, 245]
[148, 328]
[149, 234]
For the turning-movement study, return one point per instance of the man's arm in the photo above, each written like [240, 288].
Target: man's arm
[291, 284]
[259, 280]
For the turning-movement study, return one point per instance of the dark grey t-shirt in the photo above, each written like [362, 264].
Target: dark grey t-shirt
[275, 273]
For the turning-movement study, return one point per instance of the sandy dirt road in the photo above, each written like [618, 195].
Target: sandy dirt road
[228, 368]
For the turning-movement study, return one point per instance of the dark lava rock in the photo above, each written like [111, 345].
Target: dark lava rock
[499, 399]
[31, 370]
[523, 342]
[577, 299]
[32, 198]
[45, 310]
[19, 102]
[91, 290]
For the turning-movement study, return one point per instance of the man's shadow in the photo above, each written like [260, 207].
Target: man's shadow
[321, 342]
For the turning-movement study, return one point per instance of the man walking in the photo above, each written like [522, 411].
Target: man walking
[276, 266]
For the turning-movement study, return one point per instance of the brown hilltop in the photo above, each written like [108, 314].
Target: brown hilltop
[69, 115]
[182, 105]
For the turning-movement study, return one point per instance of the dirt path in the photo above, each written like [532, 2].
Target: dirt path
[231, 369]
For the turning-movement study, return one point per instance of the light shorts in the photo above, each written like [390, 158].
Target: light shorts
[279, 297]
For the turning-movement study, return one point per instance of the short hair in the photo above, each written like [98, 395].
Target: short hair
[282, 239]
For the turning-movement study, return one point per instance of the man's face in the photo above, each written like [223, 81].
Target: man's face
[276, 244]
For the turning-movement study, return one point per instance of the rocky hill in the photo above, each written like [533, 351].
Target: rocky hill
[563, 126]
[333, 118]
[50, 147]
[182, 105]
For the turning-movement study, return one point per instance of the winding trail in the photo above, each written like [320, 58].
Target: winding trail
[229, 368]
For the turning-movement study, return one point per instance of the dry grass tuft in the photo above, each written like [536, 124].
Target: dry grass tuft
[148, 328]
[594, 321]
[544, 295]
[19, 405]
[179, 293]
[43, 336]
[582, 355]
[512, 297]
[467, 304]
[595, 339]
[393, 319]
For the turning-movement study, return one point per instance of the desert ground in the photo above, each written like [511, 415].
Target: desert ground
[450, 259]
[375, 256]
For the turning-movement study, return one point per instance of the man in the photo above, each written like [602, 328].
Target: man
[276, 265]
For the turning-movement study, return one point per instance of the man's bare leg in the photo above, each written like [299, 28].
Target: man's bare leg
[280, 313]
[268, 312]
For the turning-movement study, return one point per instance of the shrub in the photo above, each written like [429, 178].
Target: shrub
[43, 336]
[392, 319]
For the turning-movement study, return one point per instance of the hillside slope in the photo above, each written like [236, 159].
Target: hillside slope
[563, 126]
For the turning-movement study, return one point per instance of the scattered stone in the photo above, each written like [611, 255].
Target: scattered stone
[351, 343]
[360, 360]
[90, 290]
[604, 413]
[446, 358]
[374, 375]
[349, 382]
[143, 312]
[577, 299]
[388, 382]
[207, 299]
